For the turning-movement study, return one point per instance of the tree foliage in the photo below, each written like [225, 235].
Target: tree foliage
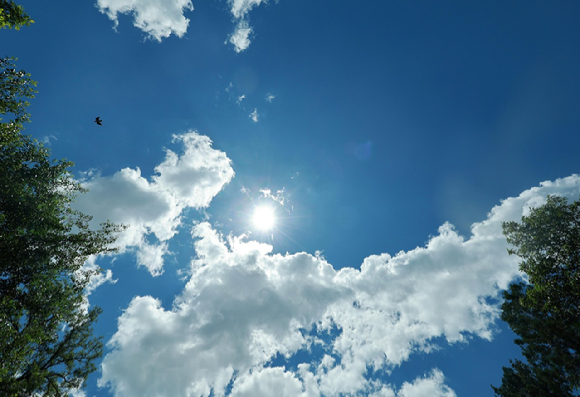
[545, 312]
[13, 15]
[16, 87]
[46, 341]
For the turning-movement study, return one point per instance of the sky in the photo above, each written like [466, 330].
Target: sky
[388, 139]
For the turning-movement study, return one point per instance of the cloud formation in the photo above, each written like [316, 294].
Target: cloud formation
[152, 208]
[240, 8]
[431, 386]
[159, 19]
[244, 307]
[254, 116]
[240, 37]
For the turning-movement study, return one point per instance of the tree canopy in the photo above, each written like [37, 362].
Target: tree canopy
[16, 87]
[13, 15]
[545, 311]
[47, 344]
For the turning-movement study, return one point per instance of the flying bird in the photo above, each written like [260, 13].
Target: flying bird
[99, 121]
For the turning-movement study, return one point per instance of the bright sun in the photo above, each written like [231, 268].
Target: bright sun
[264, 217]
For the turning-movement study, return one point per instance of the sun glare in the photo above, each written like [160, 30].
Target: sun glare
[264, 218]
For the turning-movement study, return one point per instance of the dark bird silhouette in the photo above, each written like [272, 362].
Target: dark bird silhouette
[99, 121]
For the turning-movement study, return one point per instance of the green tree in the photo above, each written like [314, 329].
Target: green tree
[12, 15]
[47, 344]
[16, 87]
[545, 312]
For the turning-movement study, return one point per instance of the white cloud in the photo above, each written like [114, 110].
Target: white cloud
[189, 179]
[254, 116]
[157, 18]
[270, 97]
[431, 386]
[244, 305]
[97, 277]
[127, 197]
[76, 393]
[240, 38]
[239, 308]
[279, 197]
[240, 99]
[263, 382]
[195, 176]
[98, 280]
[160, 19]
[240, 8]
[151, 256]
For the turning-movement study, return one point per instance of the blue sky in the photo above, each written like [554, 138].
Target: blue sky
[391, 139]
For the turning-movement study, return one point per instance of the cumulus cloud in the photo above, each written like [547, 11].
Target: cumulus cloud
[263, 382]
[431, 386]
[197, 175]
[244, 306]
[236, 312]
[153, 207]
[240, 37]
[151, 257]
[157, 18]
